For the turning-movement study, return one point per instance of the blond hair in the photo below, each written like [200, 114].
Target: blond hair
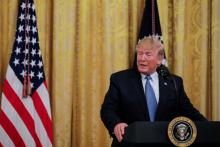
[154, 42]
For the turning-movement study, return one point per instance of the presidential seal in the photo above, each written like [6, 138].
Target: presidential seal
[182, 131]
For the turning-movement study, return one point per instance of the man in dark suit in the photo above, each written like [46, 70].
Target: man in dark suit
[143, 94]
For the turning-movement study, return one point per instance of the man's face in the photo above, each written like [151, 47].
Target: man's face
[147, 58]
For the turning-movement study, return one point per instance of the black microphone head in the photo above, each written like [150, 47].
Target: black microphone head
[163, 71]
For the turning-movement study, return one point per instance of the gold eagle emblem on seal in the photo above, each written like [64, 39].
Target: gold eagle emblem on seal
[182, 131]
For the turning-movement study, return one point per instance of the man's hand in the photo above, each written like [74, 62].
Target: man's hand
[119, 131]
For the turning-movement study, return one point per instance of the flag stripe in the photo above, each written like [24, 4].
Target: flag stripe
[11, 130]
[5, 139]
[21, 110]
[16, 120]
[42, 133]
[14, 82]
[42, 112]
[43, 94]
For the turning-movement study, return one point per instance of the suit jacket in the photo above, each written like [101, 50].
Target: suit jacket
[125, 101]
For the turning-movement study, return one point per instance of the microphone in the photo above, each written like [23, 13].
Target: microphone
[164, 72]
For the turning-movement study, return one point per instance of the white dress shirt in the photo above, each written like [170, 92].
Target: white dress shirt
[154, 83]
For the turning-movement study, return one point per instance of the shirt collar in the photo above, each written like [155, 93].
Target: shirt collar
[153, 76]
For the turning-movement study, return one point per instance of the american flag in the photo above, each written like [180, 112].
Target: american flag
[25, 113]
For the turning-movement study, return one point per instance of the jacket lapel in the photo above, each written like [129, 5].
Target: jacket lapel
[140, 94]
[163, 94]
